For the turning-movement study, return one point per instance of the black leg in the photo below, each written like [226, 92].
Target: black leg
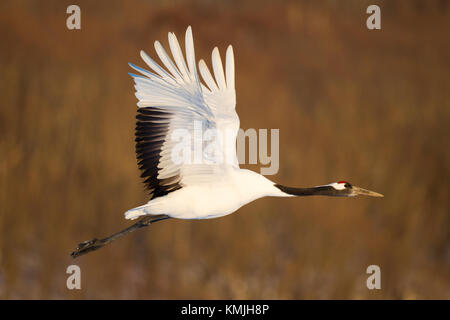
[94, 244]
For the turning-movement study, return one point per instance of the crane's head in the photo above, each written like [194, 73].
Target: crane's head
[346, 189]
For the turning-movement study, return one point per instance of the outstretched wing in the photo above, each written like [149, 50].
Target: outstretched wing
[173, 106]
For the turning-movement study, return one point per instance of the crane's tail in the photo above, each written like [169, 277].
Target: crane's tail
[137, 212]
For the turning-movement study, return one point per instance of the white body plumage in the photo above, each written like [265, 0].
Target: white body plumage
[213, 199]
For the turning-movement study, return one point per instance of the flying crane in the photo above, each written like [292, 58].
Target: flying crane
[175, 100]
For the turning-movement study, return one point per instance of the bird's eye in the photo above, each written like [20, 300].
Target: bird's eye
[347, 185]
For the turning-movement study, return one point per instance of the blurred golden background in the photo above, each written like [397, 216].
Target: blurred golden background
[370, 107]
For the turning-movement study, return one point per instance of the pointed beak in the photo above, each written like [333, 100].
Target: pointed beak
[363, 192]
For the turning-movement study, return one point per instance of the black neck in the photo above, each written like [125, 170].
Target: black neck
[314, 191]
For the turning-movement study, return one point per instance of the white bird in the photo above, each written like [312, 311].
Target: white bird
[212, 185]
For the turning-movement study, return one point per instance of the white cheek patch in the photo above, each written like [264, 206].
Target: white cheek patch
[337, 186]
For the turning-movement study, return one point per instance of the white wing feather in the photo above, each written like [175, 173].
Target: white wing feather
[178, 91]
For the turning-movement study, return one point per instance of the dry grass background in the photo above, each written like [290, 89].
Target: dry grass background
[370, 107]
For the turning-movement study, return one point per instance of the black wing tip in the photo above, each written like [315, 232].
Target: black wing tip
[149, 139]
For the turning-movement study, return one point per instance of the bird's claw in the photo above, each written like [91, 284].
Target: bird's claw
[87, 243]
[85, 247]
